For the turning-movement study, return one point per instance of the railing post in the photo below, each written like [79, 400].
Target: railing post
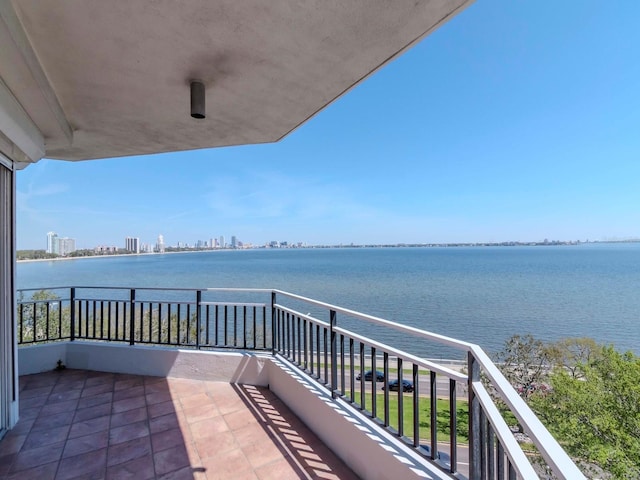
[132, 315]
[273, 323]
[334, 353]
[475, 460]
[72, 320]
[198, 317]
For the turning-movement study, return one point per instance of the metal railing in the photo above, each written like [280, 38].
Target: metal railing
[174, 317]
[431, 412]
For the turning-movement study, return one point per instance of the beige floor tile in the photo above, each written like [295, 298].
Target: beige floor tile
[101, 425]
[208, 428]
[227, 465]
[217, 445]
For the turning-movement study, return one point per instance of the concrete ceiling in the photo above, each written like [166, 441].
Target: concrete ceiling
[111, 78]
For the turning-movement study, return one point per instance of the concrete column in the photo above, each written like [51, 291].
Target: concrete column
[8, 337]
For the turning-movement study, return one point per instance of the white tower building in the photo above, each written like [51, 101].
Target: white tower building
[132, 244]
[52, 242]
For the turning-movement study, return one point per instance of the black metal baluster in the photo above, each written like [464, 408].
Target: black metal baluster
[342, 367]
[102, 319]
[94, 318]
[255, 344]
[60, 319]
[168, 324]
[226, 332]
[434, 414]
[401, 399]
[326, 357]
[352, 372]
[374, 379]
[318, 362]
[453, 426]
[235, 325]
[264, 328]
[362, 372]
[188, 324]
[216, 325]
[385, 361]
[160, 322]
[47, 322]
[132, 314]
[244, 327]
[311, 361]
[207, 324]
[299, 341]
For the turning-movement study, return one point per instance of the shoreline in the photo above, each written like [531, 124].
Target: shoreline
[461, 245]
[87, 257]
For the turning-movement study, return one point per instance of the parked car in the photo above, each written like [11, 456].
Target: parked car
[394, 385]
[368, 376]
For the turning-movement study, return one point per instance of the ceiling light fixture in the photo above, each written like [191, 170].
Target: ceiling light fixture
[197, 99]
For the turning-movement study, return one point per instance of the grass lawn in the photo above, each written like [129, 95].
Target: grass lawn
[442, 409]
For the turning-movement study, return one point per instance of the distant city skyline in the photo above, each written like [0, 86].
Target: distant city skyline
[135, 245]
[515, 121]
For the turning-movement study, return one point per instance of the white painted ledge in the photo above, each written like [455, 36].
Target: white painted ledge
[217, 366]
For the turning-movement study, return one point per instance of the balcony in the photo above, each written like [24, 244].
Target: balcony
[286, 365]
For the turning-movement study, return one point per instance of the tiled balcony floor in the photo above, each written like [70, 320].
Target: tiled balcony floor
[93, 425]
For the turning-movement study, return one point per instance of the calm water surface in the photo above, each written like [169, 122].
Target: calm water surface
[478, 294]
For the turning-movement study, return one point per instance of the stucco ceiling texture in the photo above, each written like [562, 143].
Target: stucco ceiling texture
[120, 69]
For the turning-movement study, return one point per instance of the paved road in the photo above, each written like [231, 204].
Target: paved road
[424, 385]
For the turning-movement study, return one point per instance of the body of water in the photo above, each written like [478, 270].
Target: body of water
[477, 294]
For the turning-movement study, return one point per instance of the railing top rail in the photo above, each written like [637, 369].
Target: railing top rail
[127, 300]
[31, 301]
[381, 346]
[452, 342]
[301, 315]
[171, 289]
[237, 304]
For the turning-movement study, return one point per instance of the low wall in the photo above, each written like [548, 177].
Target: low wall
[233, 367]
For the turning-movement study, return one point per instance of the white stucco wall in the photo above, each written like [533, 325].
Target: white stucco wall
[234, 367]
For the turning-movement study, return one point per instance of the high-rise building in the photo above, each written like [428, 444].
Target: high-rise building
[160, 244]
[222, 244]
[52, 242]
[66, 245]
[132, 244]
[234, 241]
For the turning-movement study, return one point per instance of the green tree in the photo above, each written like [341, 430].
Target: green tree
[34, 312]
[573, 354]
[34, 255]
[596, 415]
[525, 362]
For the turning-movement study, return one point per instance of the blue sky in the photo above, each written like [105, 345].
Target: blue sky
[516, 120]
